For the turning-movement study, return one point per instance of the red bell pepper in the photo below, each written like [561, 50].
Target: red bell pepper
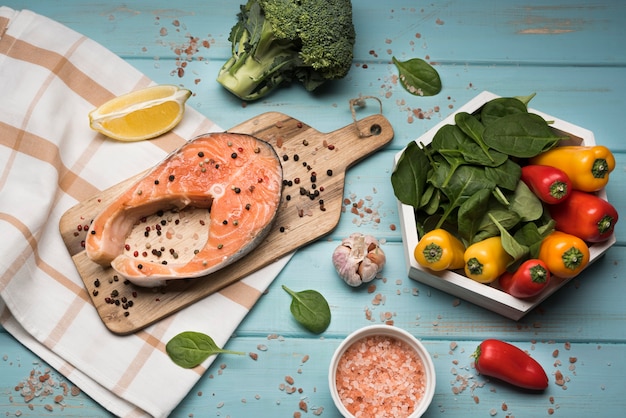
[510, 364]
[586, 216]
[527, 281]
[550, 184]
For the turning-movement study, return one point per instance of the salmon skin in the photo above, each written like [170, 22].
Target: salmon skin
[237, 177]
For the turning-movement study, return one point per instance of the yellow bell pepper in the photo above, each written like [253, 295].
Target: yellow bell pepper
[564, 254]
[486, 260]
[440, 250]
[588, 167]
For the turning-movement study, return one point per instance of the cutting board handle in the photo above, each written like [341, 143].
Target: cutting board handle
[360, 138]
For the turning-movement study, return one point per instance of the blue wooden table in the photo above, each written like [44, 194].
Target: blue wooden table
[570, 53]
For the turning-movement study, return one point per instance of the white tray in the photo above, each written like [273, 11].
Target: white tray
[488, 296]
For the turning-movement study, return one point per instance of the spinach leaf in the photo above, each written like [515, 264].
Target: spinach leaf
[418, 77]
[451, 142]
[310, 309]
[511, 246]
[409, 176]
[188, 349]
[522, 135]
[506, 175]
[525, 203]
[446, 143]
[526, 99]
[531, 236]
[499, 107]
[431, 201]
[504, 217]
[472, 127]
[470, 214]
[466, 181]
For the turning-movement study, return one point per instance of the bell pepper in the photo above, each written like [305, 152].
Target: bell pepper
[440, 250]
[585, 215]
[510, 364]
[527, 281]
[566, 255]
[486, 260]
[550, 184]
[588, 167]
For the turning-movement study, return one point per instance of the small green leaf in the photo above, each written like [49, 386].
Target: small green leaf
[409, 176]
[310, 309]
[510, 245]
[188, 349]
[522, 135]
[418, 77]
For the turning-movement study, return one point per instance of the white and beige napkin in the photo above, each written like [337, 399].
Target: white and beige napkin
[50, 78]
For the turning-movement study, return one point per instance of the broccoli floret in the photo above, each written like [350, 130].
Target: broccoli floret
[277, 41]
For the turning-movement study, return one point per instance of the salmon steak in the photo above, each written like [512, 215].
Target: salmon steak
[237, 178]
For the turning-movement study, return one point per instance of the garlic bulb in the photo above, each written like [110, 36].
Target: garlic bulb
[358, 259]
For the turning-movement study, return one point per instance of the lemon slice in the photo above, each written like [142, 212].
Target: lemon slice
[141, 114]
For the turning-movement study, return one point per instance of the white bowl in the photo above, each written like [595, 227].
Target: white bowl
[398, 334]
[489, 296]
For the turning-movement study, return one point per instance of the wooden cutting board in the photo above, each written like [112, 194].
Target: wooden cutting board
[314, 167]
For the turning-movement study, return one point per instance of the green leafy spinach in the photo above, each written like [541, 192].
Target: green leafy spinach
[468, 177]
[188, 349]
[310, 309]
[418, 77]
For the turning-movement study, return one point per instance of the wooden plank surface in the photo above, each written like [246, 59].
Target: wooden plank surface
[569, 54]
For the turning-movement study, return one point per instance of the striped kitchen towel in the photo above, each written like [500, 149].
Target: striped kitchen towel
[50, 78]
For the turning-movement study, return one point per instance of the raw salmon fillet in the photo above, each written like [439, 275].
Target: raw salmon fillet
[237, 177]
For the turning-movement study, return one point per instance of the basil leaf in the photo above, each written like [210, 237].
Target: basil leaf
[522, 135]
[188, 349]
[310, 309]
[418, 77]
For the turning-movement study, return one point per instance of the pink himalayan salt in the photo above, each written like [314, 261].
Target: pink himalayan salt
[380, 376]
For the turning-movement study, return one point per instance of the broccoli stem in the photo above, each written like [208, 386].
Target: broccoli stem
[252, 72]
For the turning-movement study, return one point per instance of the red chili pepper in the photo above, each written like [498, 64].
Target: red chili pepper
[527, 281]
[586, 216]
[510, 364]
[550, 184]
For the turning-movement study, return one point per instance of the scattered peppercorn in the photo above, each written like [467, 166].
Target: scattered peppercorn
[329, 172]
[201, 154]
[171, 177]
[233, 155]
